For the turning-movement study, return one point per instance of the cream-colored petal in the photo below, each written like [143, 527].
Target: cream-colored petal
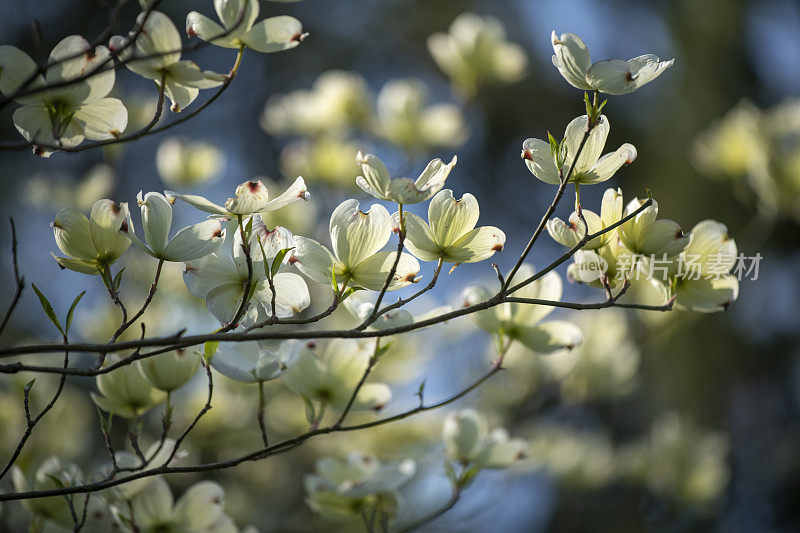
[373, 271]
[450, 219]
[476, 245]
[274, 34]
[539, 159]
[357, 235]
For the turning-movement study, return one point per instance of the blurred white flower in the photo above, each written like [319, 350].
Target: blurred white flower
[181, 162]
[468, 440]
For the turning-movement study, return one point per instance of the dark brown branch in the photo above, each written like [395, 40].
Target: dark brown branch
[20, 281]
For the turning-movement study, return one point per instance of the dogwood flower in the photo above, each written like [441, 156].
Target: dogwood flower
[159, 46]
[358, 484]
[613, 76]
[192, 242]
[475, 51]
[124, 391]
[704, 282]
[250, 197]
[450, 233]
[357, 239]
[645, 235]
[49, 475]
[181, 162]
[361, 306]
[200, 508]
[468, 440]
[247, 362]
[331, 375]
[171, 370]
[522, 322]
[404, 117]
[570, 233]
[590, 167]
[220, 277]
[241, 30]
[158, 454]
[63, 116]
[91, 244]
[377, 182]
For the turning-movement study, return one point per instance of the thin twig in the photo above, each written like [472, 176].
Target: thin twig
[20, 281]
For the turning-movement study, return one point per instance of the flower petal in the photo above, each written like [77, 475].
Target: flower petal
[194, 242]
[707, 295]
[17, 67]
[373, 271]
[592, 149]
[77, 265]
[201, 203]
[160, 36]
[449, 218]
[572, 59]
[188, 74]
[237, 15]
[375, 179]
[548, 287]
[224, 301]
[357, 235]
[200, 506]
[312, 259]
[419, 238]
[180, 95]
[102, 119]
[616, 76]
[33, 122]
[156, 220]
[274, 34]
[296, 191]
[208, 30]
[251, 197]
[72, 234]
[550, 336]
[539, 160]
[711, 247]
[476, 245]
[205, 274]
[291, 294]
[105, 221]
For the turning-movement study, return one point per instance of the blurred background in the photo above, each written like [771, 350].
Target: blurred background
[675, 422]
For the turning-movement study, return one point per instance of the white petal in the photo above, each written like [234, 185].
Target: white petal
[156, 220]
[539, 160]
[662, 237]
[71, 230]
[712, 247]
[419, 238]
[74, 57]
[449, 218]
[608, 165]
[251, 197]
[312, 259]
[616, 76]
[707, 295]
[476, 245]
[548, 287]
[464, 432]
[375, 179]
[432, 179]
[550, 336]
[291, 294]
[592, 149]
[371, 397]
[207, 30]
[77, 265]
[105, 221]
[194, 242]
[572, 59]
[17, 67]
[274, 34]
[180, 95]
[153, 506]
[200, 506]
[611, 207]
[373, 271]
[159, 36]
[238, 15]
[102, 119]
[188, 74]
[296, 191]
[224, 301]
[33, 123]
[201, 203]
[357, 235]
[204, 274]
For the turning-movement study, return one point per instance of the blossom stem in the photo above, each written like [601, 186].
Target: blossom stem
[261, 423]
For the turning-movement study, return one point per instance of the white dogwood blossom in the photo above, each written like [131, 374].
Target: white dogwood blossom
[329, 376]
[239, 27]
[613, 76]
[450, 233]
[250, 363]
[704, 282]
[645, 235]
[192, 242]
[250, 197]
[357, 485]
[468, 440]
[91, 244]
[63, 116]
[200, 508]
[357, 239]
[590, 167]
[50, 474]
[220, 277]
[169, 371]
[159, 47]
[377, 182]
[522, 322]
[124, 391]
[570, 233]
[475, 51]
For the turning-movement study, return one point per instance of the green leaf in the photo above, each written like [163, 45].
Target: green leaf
[248, 228]
[350, 291]
[48, 309]
[72, 310]
[57, 481]
[28, 386]
[334, 286]
[118, 279]
[311, 415]
[105, 421]
[209, 349]
[278, 260]
[450, 471]
[382, 350]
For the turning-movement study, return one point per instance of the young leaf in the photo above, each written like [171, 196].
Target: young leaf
[278, 260]
[57, 481]
[105, 421]
[350, 291]
[48, 309]
[311, 415]
[118, 279]
[28, 386]
[209, 349]
[72, 310]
